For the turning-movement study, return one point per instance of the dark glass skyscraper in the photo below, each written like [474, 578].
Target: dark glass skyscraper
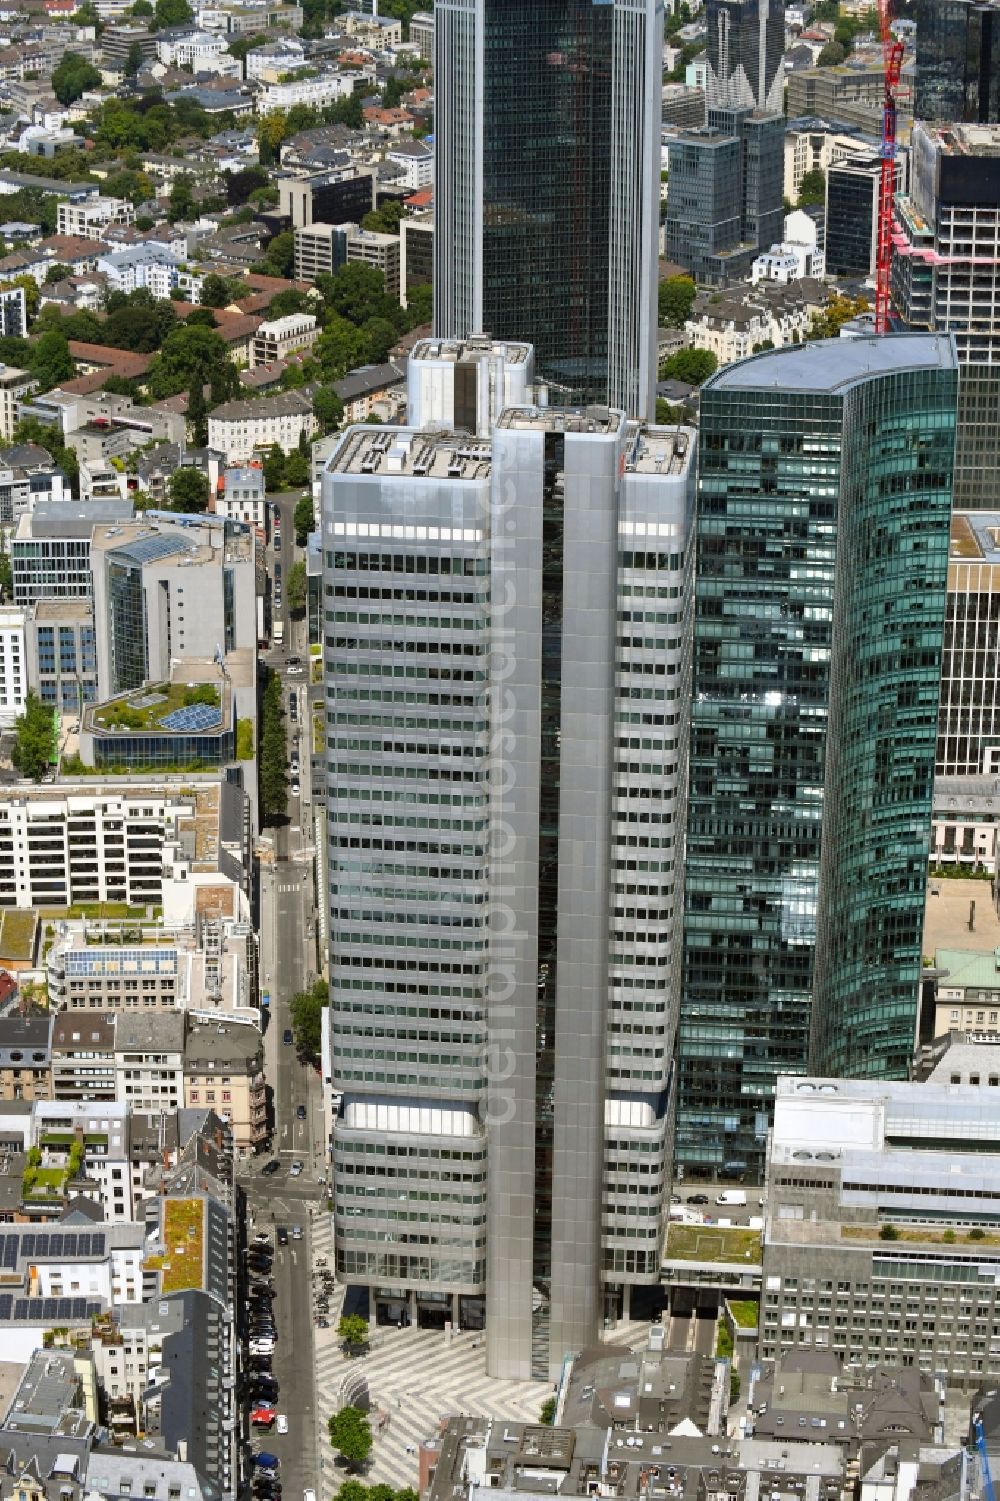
[823, 523]
[958, 61]
[547, 162]
[746, 47]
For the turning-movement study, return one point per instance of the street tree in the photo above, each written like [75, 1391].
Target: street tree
[304, 519]
[297, 588]
[353, 1330]
[351, 1435]
[306, 1009]
[273, 775]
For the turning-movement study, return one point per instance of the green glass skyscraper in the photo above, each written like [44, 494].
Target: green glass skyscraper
[824, 509]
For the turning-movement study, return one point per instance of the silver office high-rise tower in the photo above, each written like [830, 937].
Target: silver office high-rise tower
[507, 621]
[547, 186]
[746, 48]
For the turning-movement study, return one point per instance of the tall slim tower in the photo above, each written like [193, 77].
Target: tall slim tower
[507, 680]
[547, 187]
[823, 526]
[958, 61]
[746, 46]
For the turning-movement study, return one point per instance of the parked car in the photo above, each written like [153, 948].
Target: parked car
[266, 1461]
[296, 789]
[262, 1417]
[282, 1423]
[697, 1198]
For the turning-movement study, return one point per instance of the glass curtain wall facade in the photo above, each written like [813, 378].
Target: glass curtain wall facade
[127, 625]
[547, 124]
[824, 505]
[958, 61]
[746, 48]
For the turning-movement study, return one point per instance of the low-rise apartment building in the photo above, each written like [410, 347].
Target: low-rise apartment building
[224, 1070]
[26, 1057]
[882, 1231]
[81, 842]
[89, 219]
[14, 680]
[14, 384]
[240, 495]
[239, 429]
[280, 337]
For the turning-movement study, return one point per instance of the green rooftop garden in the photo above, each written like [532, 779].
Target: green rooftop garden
[969, 1238]
[17, 933]
[712, 1243]
[184, 1237]
[146, 709]
[745, 1312]
[244, 740]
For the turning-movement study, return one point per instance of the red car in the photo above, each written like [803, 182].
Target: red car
[262, 1417]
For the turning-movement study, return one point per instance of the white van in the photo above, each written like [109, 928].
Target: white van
[732, 1197]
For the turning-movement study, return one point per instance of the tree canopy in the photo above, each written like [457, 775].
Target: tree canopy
[812, 188]
[188, 490]
[271, 764]
[192, 353]
[50, 361]
[676, 296]
[306, 1009]
[33, 748]
[304, 519]
[73, 76]
[351, 1434]
[297, 587]
[691, 366]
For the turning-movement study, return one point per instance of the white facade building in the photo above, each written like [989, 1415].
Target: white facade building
[280, 337]
[95, 843]
[197, 50]
[152, 266]
[13, 665]
[316, 92]
[88, 220]
[416, 159]
[239, 429]
[14, 384]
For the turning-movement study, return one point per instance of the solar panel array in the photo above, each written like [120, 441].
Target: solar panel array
[47, 1310]
[70, 1244]
[193, 717]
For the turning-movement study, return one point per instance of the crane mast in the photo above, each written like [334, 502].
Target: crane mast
[892, 66]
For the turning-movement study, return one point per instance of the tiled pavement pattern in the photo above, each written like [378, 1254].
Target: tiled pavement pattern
[414, 1379]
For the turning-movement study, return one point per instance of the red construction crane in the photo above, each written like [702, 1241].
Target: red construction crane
[892, 65]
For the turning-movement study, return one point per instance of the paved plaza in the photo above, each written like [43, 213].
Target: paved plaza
[414, 1378]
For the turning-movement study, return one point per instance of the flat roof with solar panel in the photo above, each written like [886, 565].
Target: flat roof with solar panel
[193, 717]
